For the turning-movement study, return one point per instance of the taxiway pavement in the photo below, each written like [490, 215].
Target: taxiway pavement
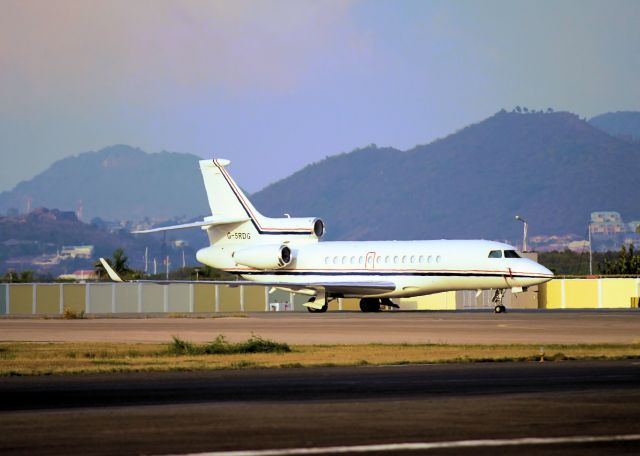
[535, 327]
[186, 412]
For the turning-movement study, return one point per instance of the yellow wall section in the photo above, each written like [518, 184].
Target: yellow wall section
[204, 298]
[153, 298]
[254, 300]
[551, 295]
[48, 299]
[100, 296]
[21, 299]
[74, 297]
[229, 299]
[3, 299]
[350, 304]
[618, 292]
[437, 301]
[581, 293]
[127, 297]
[179, 297]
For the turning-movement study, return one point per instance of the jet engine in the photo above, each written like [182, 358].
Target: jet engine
[264, 256]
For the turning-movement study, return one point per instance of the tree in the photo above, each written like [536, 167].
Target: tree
[118, 263]
[18, 277]
[518, 109]
[627, 263]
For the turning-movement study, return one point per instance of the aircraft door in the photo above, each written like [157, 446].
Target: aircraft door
[370, 260]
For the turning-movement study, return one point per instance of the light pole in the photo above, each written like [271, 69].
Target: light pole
[525, 236]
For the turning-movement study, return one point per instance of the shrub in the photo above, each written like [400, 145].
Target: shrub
[70, 314]
[220, 346]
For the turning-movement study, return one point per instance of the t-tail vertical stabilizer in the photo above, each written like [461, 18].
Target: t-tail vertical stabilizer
[234, 220]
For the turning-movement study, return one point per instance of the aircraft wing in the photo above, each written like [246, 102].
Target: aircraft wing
[334, 288]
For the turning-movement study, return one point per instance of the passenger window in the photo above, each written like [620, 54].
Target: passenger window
[361, 260]
[387, 259]
[413, 259]
[421, 259]
[370, 260]
[404, 259]
[335, 260]
[344, 260]
[379, 260]
[495, 254]
[511, 254]
[395, 260]
[430, 259]
[326, 260]
[438, 258]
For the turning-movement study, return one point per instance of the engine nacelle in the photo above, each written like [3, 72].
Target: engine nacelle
[264, 256]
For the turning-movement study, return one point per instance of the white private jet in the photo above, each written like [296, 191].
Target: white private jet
[285, 253]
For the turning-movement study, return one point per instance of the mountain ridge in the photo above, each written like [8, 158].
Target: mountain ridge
[113, 183]
[471, 183]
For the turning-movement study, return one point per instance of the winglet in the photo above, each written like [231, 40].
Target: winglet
[112, 274]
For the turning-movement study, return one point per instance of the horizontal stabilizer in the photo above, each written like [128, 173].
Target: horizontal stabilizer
[208, 221]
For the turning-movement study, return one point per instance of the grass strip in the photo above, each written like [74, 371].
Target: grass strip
[30, 358]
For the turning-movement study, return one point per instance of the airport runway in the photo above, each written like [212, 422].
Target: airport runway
[462, 327]
[496, 404]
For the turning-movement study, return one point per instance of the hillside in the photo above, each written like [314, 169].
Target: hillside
[116, 183]
[553, 169]
[624, 124]
[44, 232]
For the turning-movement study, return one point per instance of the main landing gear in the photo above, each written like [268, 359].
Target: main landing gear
[497, 299]
[373, 304]
[313, 309]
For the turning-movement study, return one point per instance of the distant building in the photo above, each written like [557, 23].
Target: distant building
[606, 223]
[80, 274]
[76, 251]
[46, 260]
[609, 232]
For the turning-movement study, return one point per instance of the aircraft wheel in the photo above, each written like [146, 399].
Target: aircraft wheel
[370, 305]
[500, 309]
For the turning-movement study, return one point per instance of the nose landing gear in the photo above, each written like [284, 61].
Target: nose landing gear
[497, 299]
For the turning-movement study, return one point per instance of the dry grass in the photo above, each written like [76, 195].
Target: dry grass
[70, 314]
[73, 358]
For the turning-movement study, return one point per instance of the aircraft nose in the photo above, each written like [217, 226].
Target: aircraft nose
[543, 271]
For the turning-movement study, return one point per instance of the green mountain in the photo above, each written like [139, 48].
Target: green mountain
[623, 124]
[116, 183]
[551, 168]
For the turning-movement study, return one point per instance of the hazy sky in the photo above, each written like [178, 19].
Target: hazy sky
[275, 85]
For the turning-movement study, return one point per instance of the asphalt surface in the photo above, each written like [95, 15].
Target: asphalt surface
[460, 327]
[185, 412]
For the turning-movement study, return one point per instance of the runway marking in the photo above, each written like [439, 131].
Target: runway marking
[425, 445]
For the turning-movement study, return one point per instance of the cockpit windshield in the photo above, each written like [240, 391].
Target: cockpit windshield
[507, 254]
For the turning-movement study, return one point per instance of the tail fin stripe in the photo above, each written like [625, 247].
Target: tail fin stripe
[254, 219]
